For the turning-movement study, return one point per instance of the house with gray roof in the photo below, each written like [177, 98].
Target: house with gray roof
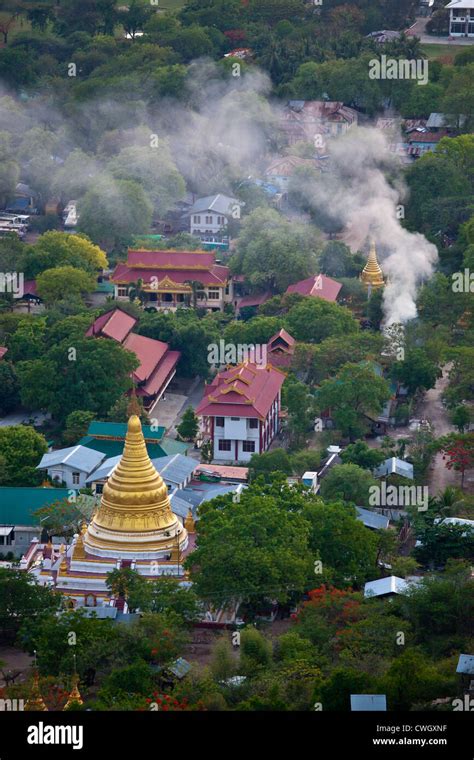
[372, 519]
[72, 465]
[386, 586]
[208, 216]
[394, 466]
[175, 469]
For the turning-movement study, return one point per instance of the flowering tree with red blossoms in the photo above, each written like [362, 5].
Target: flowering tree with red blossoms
[458, 453]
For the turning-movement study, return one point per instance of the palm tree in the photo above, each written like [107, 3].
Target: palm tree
[195, 285]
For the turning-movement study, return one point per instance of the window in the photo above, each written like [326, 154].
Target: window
[208, 219]
[197, 219]
[214, 294]
[227, 291]
[75, 478]
[235, 419]
[248, 446]
[122, 290]
[99, 488]
[224, 445]
[219, 422]
[253, 424]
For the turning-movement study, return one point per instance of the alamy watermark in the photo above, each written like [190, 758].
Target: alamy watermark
[236, 353]
[385, 495]
[12, 282]
[399, 68]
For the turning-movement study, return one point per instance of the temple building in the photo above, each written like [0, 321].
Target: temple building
[240, 412]
[174, 279]
[372, 275]
[133, 527]
[157, 362]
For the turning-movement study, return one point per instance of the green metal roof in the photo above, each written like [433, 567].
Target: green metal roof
[119, 429]
[18, 504]
[113, 448]
[170, 446]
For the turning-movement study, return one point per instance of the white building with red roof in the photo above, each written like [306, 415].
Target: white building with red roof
[317, 285]
[240, 411]
[157, 363]
[175, 279]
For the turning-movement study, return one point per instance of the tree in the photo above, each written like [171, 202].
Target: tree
[345, 546]
[129, 585]
[458, 453]
[250, 550]
[77, 373]
[362, 455]
[416, 371]
[189, 425]
[255, 650]
[412, 678]
[111, 213]
[347, 482]
[354, 393]
[300, 404]
[23, 600]
[167, 595]
[223, 664]
[60, 249]
[458, 101]
[336, 692]
[21, 448]
[461, 417]
[9, 384]
[53, 284]
[154, 169]
[60, 518]
[77, 424]
[134, 18]
[337, 260]
[272, 252]
[268, 463]
[9, 169]
[313, 320]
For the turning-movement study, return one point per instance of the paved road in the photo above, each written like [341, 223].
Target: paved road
[419, 30]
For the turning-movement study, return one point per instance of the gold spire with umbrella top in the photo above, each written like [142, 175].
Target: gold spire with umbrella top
[372, 274]
[134, 518]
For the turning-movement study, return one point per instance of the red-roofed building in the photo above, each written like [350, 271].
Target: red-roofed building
[157, 363]
[317, 285]
[240, 411]
[168, 278]
[280, 349]
[3, 351]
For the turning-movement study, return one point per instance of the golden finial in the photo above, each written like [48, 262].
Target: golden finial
[189, 523]
[133, 406]
[74, 694]
[372, 274]
[35, 701]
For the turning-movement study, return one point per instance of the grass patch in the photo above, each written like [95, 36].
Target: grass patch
[443, 53]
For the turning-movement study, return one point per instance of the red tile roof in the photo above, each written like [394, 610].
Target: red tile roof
[3, 351]
[148, 351]
[256, 300]
[157, 362]
[246, 390]
[161, 373]
[318, 285]
[114, 324]
[170, 259]
[426, 137]
[283, 335]
[178, 266]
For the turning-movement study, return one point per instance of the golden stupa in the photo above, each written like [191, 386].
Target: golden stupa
[134, 520]
[372, 274]
[75, 694]
[35, 701]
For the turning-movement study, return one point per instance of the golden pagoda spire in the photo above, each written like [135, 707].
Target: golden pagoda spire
[35, 702]
[133, 406]
[74, 694]
[79, 551]
[372, 274]
[134, 517]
